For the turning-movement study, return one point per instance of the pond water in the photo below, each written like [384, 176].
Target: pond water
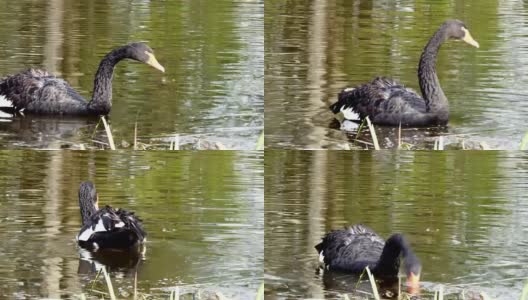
[464, 213]
[212, 51]
[203, 213]
[314, 51]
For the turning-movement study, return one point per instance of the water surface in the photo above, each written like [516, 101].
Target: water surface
[203, 213]
[314, 49]
[212, 51]
[464, 213]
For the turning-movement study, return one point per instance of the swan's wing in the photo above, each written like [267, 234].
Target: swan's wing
[37, 91]
[132, 222]
[383, 100]
[105, 220]
[22, 88]
[350, 249]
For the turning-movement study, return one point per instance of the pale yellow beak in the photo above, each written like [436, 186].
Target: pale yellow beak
[154, 62]
[469, 39]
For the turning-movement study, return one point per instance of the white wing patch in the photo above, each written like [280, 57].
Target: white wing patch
[4, 101]
[119, 225]
[85, 235]
[99, 227]
[349, 113]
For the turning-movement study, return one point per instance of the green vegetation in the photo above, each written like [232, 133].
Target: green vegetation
[373, 282]
[524, 142]
[174, 294]
[373, 133]
[153, 144]
[260, 142]
[437, 294]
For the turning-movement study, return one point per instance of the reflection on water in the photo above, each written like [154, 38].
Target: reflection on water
[313, 51]
[203, 213]
[125, 262]
[212, 52]
[464, 214]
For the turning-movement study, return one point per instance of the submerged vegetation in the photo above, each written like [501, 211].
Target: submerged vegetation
[438, 293]
[174, 293]
[432, 140]
[176, 142]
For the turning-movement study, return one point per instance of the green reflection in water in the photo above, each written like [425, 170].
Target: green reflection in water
[203, 212]
[212, 52]
[313, 51]
[463, 213]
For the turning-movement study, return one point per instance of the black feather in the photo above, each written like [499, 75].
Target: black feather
[353, 248]
[38, 92]
[123, 229]
[387, 102]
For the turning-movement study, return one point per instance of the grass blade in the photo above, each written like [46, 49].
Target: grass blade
[260, 292]
[260, 142]
[135, 136]
[441, 293]
[524, 295]
[399, 139]
[373, 133]
[175, 294]
[524, 142]
[373, 281]
[109, 284]
[108, 134]
[358, 134]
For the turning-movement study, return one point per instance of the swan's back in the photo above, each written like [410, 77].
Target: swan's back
[385, 102]
[38, 92]
[110, 228]
[350, 249]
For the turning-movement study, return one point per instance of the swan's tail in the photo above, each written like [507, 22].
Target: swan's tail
[363, 100]
[345, 99]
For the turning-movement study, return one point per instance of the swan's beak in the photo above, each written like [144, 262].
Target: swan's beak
[469, 39]
[154, 62]
[413, 283]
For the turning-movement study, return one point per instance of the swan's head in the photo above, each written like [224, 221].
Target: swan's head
[412, 266]
[143, 53]
[456, 29]
[88, 200]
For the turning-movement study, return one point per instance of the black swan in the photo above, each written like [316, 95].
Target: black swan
[353, 248]
[106, 228]
[387, 102]
[37, 92]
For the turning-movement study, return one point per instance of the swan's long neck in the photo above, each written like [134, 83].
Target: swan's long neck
[432, 93]
[102, 92]
[87, 202]
[389, 261]
[86, 212]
